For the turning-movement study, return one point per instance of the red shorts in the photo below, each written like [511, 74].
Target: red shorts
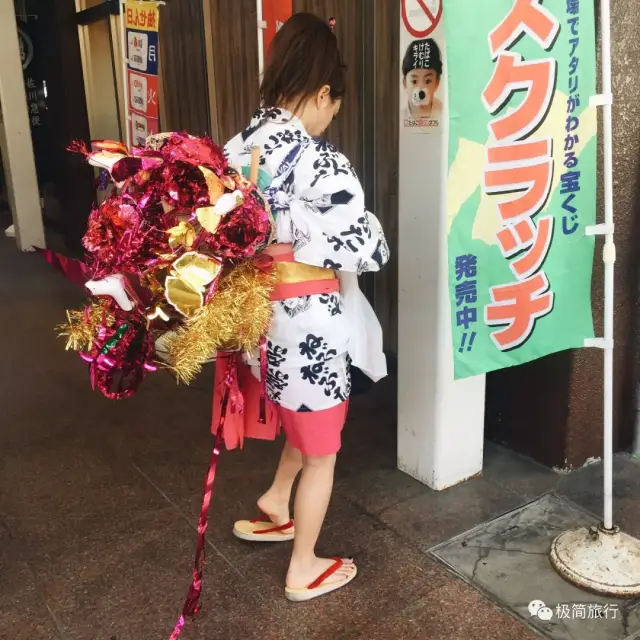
[314, 433]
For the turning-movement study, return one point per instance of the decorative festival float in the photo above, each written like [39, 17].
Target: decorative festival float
[176, 267]
[173, 262]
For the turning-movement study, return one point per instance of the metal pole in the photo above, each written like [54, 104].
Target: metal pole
[609, 257]
[125, 72]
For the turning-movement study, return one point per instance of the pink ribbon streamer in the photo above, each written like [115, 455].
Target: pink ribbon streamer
[73, 270]
[192, 603]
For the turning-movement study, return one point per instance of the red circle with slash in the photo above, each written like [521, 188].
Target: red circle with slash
[434, 19]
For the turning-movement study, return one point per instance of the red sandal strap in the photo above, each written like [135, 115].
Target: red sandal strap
[327, 574]
[283, 527]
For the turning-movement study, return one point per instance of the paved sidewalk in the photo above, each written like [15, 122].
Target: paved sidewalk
[99, 502]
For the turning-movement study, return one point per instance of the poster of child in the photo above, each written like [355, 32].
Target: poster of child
[421, 79]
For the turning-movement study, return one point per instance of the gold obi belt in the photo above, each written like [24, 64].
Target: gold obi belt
[295, 279]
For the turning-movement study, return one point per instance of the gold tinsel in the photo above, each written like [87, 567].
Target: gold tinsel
[236, 317]
[81, 327]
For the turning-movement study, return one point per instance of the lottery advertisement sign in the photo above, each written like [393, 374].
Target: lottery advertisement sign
[142, 21]
[522, 179]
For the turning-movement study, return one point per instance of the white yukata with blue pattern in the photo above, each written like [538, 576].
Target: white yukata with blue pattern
[319, 209]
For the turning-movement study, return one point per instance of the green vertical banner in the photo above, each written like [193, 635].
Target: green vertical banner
[521, 187]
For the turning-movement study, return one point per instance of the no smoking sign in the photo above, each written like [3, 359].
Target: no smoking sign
[421, 17]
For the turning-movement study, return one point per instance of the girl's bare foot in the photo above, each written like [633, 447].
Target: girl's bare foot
[301, 574]
[275, 508]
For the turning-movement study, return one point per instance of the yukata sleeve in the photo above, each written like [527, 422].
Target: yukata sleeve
[329, 222]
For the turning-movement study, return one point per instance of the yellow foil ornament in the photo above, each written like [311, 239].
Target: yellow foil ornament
[235, 318]
[190, 275]
[182, 235]
[208, 218]
[214, 185]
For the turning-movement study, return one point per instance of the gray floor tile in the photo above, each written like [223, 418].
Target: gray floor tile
[23, 609]
[131, 584]
[62, 489]
[435, 516]
[517, 473]
[455, 612]
[378, 489]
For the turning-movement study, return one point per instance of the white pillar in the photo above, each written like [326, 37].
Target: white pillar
[15, 137]
[440, 421]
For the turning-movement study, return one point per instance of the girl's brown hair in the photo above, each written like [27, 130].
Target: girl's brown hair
[303, 58]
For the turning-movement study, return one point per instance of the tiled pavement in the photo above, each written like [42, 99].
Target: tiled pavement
[98, 502]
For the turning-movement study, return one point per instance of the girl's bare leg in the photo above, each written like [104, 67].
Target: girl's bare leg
[312, 501]
[275, 502]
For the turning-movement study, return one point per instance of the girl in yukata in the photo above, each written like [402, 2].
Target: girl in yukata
[322, 323]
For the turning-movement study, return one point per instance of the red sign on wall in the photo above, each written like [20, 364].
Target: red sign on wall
[143, 94]
[275, 13]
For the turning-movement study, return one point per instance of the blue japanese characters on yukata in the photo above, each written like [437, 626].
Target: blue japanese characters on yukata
[570, 179]
[467, 299]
